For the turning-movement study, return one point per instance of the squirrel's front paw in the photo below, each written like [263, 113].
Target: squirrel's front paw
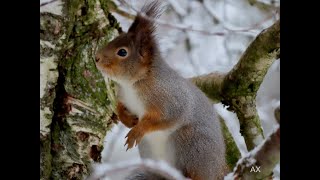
[134, 136]
[127, 118]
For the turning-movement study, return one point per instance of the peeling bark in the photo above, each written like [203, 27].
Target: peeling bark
[49, 58]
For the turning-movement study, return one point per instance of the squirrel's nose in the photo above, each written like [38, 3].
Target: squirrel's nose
[97, 58]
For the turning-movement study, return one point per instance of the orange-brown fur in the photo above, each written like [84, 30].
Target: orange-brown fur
[127, 118]
[170, 118]
[150, 122]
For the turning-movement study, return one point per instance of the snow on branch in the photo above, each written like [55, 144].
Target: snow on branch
[260, 162]
[159, 167]
[238, 88]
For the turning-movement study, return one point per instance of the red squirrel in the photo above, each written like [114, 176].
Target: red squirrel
[170, 118]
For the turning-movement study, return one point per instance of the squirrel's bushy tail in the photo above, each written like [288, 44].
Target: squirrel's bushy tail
[145, 175]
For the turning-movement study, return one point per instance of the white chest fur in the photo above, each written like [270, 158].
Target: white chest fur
[157, 141]
[130, 98]
[159, 146]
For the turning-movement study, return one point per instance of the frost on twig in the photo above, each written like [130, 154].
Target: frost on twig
[157, 167]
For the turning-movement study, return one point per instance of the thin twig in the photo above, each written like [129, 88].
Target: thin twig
[190, 57]
[188, 28]
[181, 27]
[176, 7]
[216, 20]
[254, 26]
[123, 13]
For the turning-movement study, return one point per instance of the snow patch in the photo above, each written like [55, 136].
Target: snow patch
[232, 122]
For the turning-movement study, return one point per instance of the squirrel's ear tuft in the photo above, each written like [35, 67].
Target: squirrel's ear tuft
[144, 20]
[153, 9]
[143, 27]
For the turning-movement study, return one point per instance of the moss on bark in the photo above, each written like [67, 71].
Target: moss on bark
[83, 102]
[232, 151]
[238, 88]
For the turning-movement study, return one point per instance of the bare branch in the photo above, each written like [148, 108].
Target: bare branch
[254, 26]
[239, 87]
[114, 8]
[177, 7]
[216, 20]
[183, 27]
[176, 26]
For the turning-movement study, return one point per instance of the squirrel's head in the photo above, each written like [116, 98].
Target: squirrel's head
[130, 55]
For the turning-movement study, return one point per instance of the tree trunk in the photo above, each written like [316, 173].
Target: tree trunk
[76, 105]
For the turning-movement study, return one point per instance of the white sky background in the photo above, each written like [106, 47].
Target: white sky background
[208, 53]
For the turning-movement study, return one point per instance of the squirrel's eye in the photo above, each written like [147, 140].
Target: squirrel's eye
[122, 52]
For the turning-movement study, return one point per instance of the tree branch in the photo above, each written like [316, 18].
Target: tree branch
[232, 151]
[50, 35]
[264, 157]
[238, 88]
[114, 8]
[210, 84]
[76, 103]
[262, 6]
